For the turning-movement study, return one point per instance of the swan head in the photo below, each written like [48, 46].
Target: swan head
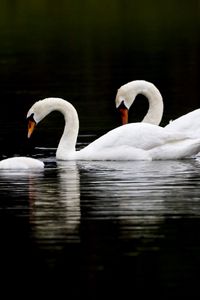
[127, 93]
[38, 111]
[34, 116]
[124, 99]
[123, 110]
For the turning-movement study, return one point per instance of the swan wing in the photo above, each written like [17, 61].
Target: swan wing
[188, 123]
[139, 135]
[132, 142]
[176, 150]
[123, 152]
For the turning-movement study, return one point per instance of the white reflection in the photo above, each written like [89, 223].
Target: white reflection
[50, 199]
[19, 183]
[140, 195]
[56, 210]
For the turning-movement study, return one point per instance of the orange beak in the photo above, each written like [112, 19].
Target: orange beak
[124, 114]
[31, 127]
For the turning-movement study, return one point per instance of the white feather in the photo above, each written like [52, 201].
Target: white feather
[133, 141]
[21, 163]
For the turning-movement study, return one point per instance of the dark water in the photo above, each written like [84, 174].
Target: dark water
[102, 229]
[97, 229]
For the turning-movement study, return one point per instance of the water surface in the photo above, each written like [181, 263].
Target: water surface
[102, 228]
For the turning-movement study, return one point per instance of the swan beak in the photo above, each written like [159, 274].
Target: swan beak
[124, 114]
[31, 127]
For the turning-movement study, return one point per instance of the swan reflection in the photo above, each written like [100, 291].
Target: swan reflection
[139, 194]
[56, 211]
[50, 199]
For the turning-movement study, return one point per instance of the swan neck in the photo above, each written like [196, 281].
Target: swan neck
[67, 144]
[155, 111]
[68, 139]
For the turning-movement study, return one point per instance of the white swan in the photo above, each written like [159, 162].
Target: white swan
[136, 141]
[22, 162]
[188, 123]
[127, 93]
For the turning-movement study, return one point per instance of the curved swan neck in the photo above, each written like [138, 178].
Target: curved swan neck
[155, 111]
[129, 91]
[68, 140]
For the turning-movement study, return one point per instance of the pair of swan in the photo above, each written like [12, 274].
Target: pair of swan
[135, 141]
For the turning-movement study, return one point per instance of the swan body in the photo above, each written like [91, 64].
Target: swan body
[188, 123]
[21, 163]
[135, 141]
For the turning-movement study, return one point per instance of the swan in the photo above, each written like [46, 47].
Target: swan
[21, 162]
[135, 141]
[126, 94]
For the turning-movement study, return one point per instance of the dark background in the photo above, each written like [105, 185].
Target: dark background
[83, 51]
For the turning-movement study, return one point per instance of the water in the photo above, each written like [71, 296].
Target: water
[97, 229]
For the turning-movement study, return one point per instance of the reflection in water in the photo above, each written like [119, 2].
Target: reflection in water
[136, 219]
[53, 199]
[140, 195]
[150, 189]
[56, 211]
[99, 222]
